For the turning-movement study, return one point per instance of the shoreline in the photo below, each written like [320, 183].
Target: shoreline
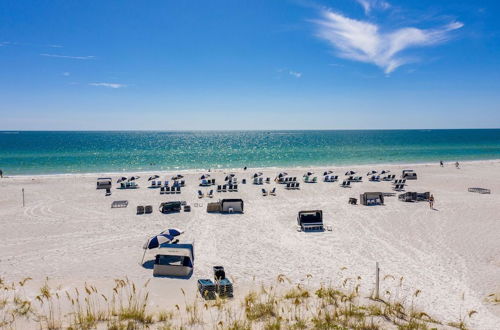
[249, 169]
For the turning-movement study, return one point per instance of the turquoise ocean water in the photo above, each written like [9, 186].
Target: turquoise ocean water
[85, 152]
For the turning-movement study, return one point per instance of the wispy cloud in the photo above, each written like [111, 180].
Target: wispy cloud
[69, 57]
[295, 74]
[66, 74]
[369, 5]
[108, 85]
[365, 42]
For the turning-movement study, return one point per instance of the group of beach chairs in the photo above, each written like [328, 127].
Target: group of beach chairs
[287, 179]
[271, 192]
[227, 188]
[331, 178]
[210, 194]
[159, 183]
[354, 179]
[148, 209]
[389, 177]
[399, 184]
[308, 179]
[346, 184]
[292, 185]
[207, 182]
[220, 286]
[374, 178]
[170, 190]
[129, 185]
[260, 180]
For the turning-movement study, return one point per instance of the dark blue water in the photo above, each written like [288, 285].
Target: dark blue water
[82, 152]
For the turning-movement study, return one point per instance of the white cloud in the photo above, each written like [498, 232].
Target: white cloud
[66, 74]
[363, 41]
[295, 74]
[69, 57]
[109, 85]
[369, 5]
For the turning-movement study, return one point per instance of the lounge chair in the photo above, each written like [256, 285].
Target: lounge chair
[162, 190]
[297, 185]
[211, 194]
[183, 183]
[200, 194]
[148, 209]
[264, 192]
[167, 190]
[140, 209]
[273, 192]
[287, 185]
[235, 187]
[224, 188]
[178, 190]
[219, 188]
[230, 187]
[315, 179]
[268, 180]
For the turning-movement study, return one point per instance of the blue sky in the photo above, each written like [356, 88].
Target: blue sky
[261, 64]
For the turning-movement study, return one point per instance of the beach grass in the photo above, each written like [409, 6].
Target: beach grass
[282, 305]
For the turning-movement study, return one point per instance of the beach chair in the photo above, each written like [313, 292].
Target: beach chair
[207, 289]
[315, 179]
[212, 182]
[167, 190]
[200, 194]
[162, 190]
[224, 288]
[268, 180]
[297, 185]
[255, 180]
[261, 180]
[219, 188]
[140, 209]
[287, 185]
[264, 192]
[211, 194]
[148, 209]
[273, 192]
[224, 188]
[178, 190]
[235, 187]
[183, 183]
[230, 187]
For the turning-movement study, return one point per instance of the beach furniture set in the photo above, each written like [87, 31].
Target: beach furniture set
[414, 197]
[270, 193]
[221, 285]
[480, 190]
[148, 209]
[331, 178]
[171, 207]
[308, 179]
[308, 221]
[207, 182]
[227, 188]
[226, 206]
[129, 185]
[371, 198]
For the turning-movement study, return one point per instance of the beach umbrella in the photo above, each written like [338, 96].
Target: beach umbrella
[350, 173]
[156, 241]
[384, 172]
[132, 178]
[166, 236]
[204, 176]
[153, 177]
[310, 173]
[121, 179]
[371, 172]
[172, 232]
[255, 175]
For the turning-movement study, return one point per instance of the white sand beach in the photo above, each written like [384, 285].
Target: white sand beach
[67, 232]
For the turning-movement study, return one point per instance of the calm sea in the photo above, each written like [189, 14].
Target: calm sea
[83, 152]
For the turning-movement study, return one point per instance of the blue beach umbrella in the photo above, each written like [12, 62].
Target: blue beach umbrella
[157, 241]
[172, 232]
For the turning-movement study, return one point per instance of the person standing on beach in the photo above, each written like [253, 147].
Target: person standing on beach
[1, 174]
[431, 202]
[441, 163]
[457, 165]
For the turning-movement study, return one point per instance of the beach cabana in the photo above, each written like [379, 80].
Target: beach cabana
[176, 260]
[231, 206]
[414, 197]
[170, 207]
[310, 220]
[371, 198]
[103, 183]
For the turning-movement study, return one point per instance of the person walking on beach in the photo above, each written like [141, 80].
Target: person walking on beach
[431, 202]
[441, 163]
[457, 165]
[1, 174]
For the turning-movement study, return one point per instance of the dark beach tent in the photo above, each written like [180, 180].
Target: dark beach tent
[154, 177]
[170, 207]
[121, 179]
